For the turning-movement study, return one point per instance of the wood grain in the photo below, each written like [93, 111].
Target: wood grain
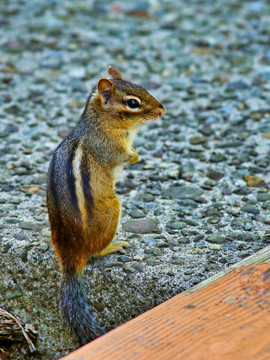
[229, 319]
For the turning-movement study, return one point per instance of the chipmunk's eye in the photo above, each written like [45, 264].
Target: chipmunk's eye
[133, 103]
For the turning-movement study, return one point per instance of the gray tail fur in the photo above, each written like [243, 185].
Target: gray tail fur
[75, 311]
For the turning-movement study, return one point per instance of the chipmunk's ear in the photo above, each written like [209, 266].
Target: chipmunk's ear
[115, 74]
[105, 89]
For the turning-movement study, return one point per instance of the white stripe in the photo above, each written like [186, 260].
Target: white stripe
[76, 164]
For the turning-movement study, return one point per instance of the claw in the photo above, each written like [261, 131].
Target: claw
[118, 246]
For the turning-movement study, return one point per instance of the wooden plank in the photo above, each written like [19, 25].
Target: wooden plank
[262, 256]
[226, 320]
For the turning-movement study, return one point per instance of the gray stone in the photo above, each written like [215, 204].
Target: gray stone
[153, 262]
[30, 226]
[245, 236]
[144, 197]
[237, 85]
[182, 192]
[13, 294]
[266, 205]
[154, 252]
[249, 208]
[137, 214]
[19, 237]
[216, 239]
[215, 175]
[176, 225]
[195, 140]
[138, 267]
[217, 157]
[146, 226]
[263, 196]
[12, 221]
[171, 242]
[191, 222]
[179, 261]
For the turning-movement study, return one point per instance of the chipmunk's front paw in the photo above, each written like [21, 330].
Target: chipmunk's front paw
[133, 157]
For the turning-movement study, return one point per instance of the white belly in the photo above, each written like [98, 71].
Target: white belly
[117, 171]
[132, 135]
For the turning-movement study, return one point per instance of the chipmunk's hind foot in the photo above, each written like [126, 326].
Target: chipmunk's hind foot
[117, 246]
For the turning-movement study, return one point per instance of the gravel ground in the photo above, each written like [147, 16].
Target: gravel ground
[196, 202]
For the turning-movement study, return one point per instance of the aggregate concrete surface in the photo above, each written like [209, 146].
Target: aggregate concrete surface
[197, 201]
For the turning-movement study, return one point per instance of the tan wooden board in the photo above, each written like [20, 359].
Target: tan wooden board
[227, 317]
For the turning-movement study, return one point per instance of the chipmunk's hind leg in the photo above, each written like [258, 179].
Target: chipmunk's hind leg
[111, 216]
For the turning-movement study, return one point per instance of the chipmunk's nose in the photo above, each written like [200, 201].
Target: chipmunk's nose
[161, 111]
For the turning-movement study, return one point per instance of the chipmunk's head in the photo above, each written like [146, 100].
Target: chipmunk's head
[129, 104]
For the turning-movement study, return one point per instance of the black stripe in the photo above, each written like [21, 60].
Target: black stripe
[52, 182]
[71, 180]
[85, 174]
[54, 197]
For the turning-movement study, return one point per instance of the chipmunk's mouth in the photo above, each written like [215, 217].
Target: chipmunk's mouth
[148, 120]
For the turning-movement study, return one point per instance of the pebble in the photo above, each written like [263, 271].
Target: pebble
[200, 199]
[138, 257]
[191, 222]
[138, 268]
[210, 182]
[153, 262]
[31, 189]
[176, 225]
[145, 226]
[237, 85]
[234, 211]
[171, 242]
[214, 247]
[195, 250]
[266, 135]
[178, 261]
[244, 236]
[137, 214]
[254, 181]
[150, 241]
[217, 157]
[266, 205]
[30, 226]
[195, 140]
[43, 247]
[144, 197]
[182, 192]
[12, 221]
[153, 252]
[250, 209]
[215, 175]
[216, 239]
[19, 237]
[13, 294]
[213, 220]
[263, 197]
[198, 237]
[183, 240]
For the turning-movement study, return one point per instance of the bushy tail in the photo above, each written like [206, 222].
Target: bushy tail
[75, 311]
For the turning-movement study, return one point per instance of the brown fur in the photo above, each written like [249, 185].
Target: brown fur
[82, 205]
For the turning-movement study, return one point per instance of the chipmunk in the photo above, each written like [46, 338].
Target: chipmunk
[82, 205]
